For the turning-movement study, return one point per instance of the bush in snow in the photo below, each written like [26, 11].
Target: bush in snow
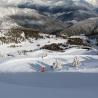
[17, 35]
[54, 47]
[76, 62]
[78, 40]
[56, 65]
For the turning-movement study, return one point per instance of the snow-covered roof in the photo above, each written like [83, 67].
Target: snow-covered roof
[81, 37]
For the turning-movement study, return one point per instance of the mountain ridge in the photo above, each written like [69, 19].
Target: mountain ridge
[45, 15]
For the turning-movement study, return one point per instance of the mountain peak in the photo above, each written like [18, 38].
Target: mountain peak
[93, 2]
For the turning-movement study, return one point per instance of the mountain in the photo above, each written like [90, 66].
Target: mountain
[87, 27]
[45, 15]
[94, 2]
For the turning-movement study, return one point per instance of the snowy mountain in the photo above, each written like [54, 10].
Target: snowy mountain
[46, 2]
[40, 14]
[48, 49]
[87, 27]
[94, 2]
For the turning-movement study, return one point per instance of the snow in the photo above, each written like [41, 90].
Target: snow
[21, 77]
[77, 51]
[10, 7]
[54, 85]
[31, 64]
[20, 74]
[28, 57]
[81, 37]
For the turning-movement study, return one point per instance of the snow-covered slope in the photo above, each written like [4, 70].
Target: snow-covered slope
[48, 85]
[28, 57]
[21, 63]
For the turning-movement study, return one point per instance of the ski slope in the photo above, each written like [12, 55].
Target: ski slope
[28, 57]
[54, 85]
[88, 63]
[20, 75]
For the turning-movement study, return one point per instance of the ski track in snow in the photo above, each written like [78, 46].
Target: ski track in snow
[88, 63]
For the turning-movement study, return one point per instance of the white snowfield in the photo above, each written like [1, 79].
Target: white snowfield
[46, 85]
[88, 63]
[21, 77]
[28, 57]
[20, 66]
